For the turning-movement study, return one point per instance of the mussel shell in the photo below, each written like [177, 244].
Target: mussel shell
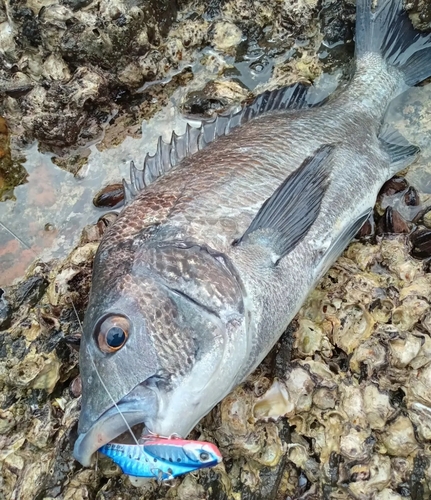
[110, 196]
[411, 197]
[107, 219]
[421, 243]
[393, 186]
[392, 222]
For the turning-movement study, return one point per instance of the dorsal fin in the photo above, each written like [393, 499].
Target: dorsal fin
[169, 155]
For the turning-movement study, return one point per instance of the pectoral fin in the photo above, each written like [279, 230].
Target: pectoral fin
[286, 217]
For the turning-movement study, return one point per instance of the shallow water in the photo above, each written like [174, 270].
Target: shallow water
[53, 206]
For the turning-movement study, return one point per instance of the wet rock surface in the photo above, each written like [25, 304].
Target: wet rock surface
[70, 57]
[341, 408]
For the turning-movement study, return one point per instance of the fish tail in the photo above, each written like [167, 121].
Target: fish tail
[388, 31]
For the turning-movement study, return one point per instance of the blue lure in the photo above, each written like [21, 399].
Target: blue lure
[162, 458]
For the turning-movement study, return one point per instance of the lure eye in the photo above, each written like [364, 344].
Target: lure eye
[113, 334]
[204, 456]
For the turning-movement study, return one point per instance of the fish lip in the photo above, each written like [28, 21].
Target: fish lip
[106, 428]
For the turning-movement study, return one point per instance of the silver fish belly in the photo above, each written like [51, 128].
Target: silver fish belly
[226, 232]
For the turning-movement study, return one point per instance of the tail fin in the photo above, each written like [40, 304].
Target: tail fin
[389, 32]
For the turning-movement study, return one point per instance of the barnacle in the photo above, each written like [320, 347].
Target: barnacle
[286, 399]
[378, 478]
[377, 407]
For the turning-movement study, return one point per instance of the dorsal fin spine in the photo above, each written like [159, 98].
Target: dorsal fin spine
[129, 192]
[169, 155]
[201, 139]
[158, 157]
[187, 140]
[147, 169]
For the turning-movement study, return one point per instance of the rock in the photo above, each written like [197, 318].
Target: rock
[31, 290]
[5, 311]
[12, 173]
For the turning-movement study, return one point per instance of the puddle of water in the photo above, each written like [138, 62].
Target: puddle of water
[52, 208]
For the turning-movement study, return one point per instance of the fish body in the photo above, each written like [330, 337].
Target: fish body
[207, 265]
[161, 458]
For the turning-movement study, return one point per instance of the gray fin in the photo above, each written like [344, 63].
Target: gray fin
[401, 152]
[129, 189]
[285, 218]
[339, 245]
[129, 192]
[169, 155]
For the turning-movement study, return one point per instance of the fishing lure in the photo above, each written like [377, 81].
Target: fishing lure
[162, 458]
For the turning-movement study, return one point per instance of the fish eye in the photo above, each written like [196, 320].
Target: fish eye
[113, 334]
[204, 456]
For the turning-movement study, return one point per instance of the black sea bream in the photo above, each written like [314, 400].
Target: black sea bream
[226, 232]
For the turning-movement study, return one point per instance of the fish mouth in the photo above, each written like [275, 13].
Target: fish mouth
[110, 425]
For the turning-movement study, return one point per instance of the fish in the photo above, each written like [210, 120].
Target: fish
[162, 458]
[228, 228]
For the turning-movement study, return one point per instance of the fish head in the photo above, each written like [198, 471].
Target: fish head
[161, 344]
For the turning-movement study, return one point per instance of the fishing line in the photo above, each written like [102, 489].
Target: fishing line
[17, 238]
[101, 380]
[82, 333]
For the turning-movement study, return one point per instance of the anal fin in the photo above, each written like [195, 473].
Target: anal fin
[286, 217]
[340, 243]
[401, 152]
